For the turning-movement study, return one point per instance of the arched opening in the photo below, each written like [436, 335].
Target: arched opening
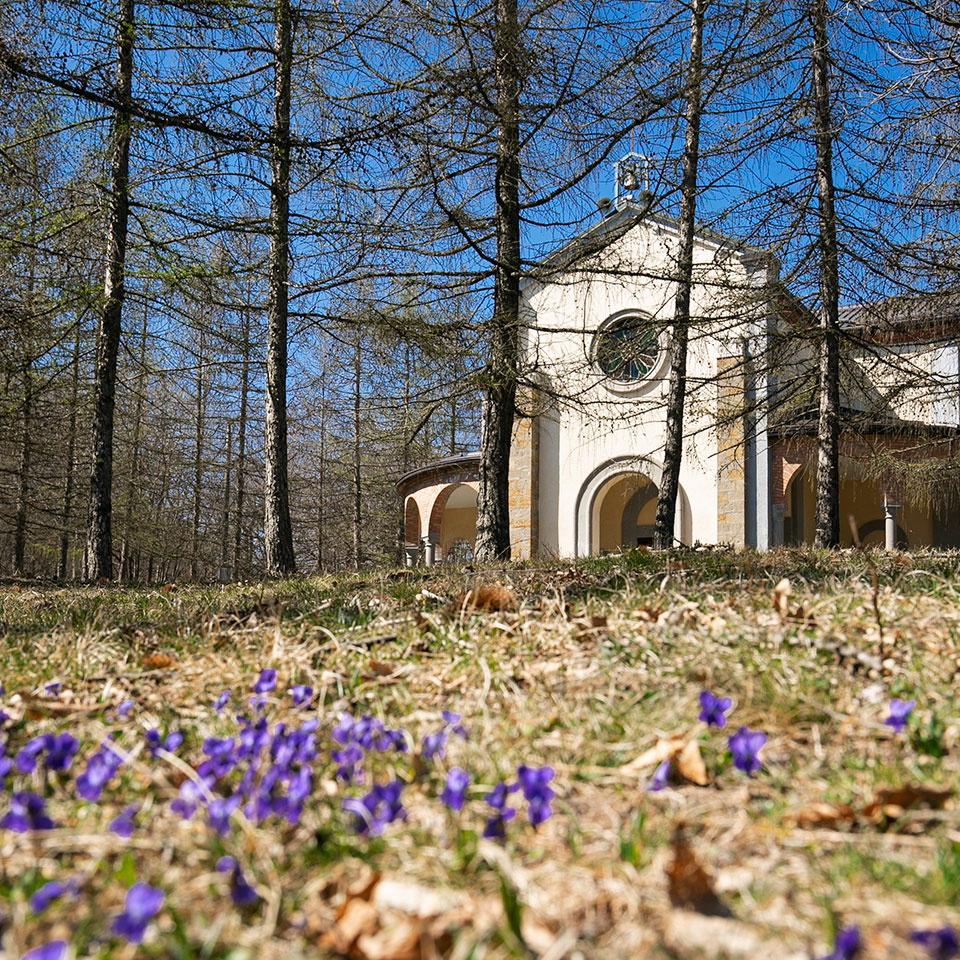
[411, 523]
[624, 513]
[861, 510]
[454, 517]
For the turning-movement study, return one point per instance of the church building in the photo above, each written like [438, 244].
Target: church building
[585, 461]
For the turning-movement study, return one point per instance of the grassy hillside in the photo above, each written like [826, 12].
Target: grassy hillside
[592, 670]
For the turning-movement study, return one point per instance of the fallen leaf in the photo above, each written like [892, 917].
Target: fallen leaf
[892, 802]
[381, 667]
[690, 764]
[354, 919]
[820, 814]
[688, 884]
[781, 597]
[158, 661]
[665, 749]
[489, 598]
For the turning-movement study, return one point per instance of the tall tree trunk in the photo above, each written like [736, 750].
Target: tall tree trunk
[277, 532]
[98, 553]
[677, 393]
[322, 465]
[225, 523]
[198, 437]
[500, 386]
[23, 487]
[135, 452]
[357, 441]
[71, 453]
[827, 532]
[242, 441]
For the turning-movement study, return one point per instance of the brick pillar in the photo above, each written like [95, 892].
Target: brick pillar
[731, 505]
[524, 488]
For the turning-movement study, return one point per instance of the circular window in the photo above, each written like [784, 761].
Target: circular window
[628, 349]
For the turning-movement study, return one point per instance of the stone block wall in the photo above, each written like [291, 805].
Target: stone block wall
[731, 452]
[524, 489]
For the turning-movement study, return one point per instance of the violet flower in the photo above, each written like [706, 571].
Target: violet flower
[45, 895]
[221, 701]
[941, 944]
[434, 746]
[142, 903]
[378, 808]
[54, 950]
[455, 789]
[899, 712]
[538, 795]
[452, 720]
[846, 944]
[124, 708]
[495, 828]
[169, 743]
[100, 768]
[26, 813]
[713, 709]
[123, 825]
[301, 694]
[219, 812]
[745, 744]
[53, 689]
[659, 779]
[241, 893]
[266, 682]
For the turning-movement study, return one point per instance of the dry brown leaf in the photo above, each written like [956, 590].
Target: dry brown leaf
[400, 942]
[382, 668]
[590, 626]
[893, 801]
[354, 919]
[158, 661]
[820, 814]
[781, 598]
[489, 598]
[690, 764]
[665, 749]
[688, 884]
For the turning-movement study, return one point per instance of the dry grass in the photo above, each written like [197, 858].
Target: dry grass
[596, 664]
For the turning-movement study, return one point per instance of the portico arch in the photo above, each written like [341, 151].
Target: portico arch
[618, 502]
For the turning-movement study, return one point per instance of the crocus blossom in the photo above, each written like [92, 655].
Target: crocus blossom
[745, 744]
[899, 712]
[940, 944]
[142, 903]
[713, 709]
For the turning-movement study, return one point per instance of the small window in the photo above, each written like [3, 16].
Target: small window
[628, 349]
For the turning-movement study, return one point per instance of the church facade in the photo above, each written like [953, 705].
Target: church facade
[585, 462]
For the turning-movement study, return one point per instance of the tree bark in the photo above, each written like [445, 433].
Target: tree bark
[98, 552]
[277, 531]
[827, 533]
[71, 452]
[500, 387]
[135, 453]
[677, 391]
[23, 470]
[198, 443]
[357, 462]
[242, 442]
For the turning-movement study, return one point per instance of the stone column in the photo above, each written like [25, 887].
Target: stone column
[429, 552]
[777, 510]
[410, 553]
[890, 511]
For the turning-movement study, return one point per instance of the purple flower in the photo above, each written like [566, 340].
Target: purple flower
[659, 779]
[941, 944]
[6, 765]
[495, 828]
[219, 812]
[899, 712]
[301, 694]
[100, 768]
[343, 731]
[714, 709]
[53, 690]
[191, 793]
[124, 708]
[538, 795]
[241, 893]
[169, 743]
[745, 744]
[28, 754]
[42, 898]
[266, 682]
[452, 720]
[221, 701]
[59, 749]
[140, 906]
[54, 950]
[347, 760]
[26, 813]
[846, 944]
[434, 745]
[455, 789]
[123, 825]
[378, 808]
